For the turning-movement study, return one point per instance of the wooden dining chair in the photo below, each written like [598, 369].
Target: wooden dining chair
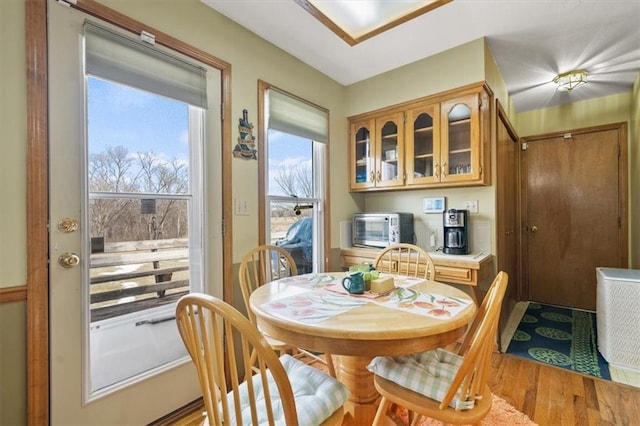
[446, 386]
[405, 259]
[282, 391]
[264, 264]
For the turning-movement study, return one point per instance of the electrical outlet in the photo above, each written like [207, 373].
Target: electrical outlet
[471, 205]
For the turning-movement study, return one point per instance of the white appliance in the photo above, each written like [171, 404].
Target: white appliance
[618, 316]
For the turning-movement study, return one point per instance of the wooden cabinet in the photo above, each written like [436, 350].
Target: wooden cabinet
[377, 152]
[362, 155]
[423, 145]
[440, 140]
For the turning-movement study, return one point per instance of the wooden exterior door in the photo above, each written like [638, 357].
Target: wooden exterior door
[575, 205]
[507, 216]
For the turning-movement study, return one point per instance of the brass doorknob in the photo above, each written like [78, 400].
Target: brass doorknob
[68, 260]
[534, 228]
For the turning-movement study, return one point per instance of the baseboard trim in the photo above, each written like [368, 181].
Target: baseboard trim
[176, 416]
[512, 324]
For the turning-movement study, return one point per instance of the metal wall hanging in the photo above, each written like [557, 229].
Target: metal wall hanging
[246, 146]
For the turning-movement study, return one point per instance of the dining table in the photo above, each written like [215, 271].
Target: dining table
[314, 312]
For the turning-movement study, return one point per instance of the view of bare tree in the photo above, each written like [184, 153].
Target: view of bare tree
[115, 170]
[295, 180]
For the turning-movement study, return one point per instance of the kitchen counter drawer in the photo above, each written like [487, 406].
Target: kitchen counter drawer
[454, 274]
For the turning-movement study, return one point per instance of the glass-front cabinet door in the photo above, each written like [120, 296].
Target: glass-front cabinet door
[423, 145]
[362, 155]
[460, 144]
[390, 150]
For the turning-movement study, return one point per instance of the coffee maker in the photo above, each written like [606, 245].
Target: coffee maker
[456, 231]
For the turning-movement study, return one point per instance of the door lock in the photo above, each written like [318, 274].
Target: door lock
[67, 225]
[68, 260]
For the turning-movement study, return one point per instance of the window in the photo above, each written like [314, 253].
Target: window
[144, 148]
[294, 162]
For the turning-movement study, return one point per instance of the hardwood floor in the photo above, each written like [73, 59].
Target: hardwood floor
[548, 395]
[554, 396]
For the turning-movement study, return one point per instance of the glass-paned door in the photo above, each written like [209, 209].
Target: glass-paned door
[362, 155]
[390, 152]
[128, 234]
[460, 159]
[423, 145]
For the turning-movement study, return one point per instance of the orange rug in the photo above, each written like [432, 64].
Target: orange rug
[502, 413]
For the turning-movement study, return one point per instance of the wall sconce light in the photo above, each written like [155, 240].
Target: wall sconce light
[567, 81]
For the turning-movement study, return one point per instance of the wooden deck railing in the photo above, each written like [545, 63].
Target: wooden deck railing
[156, 277]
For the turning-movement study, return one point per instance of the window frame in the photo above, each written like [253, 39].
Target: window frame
[321, 183]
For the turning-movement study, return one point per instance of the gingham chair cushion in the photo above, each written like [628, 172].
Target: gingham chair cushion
[317, 395]
[427, 373]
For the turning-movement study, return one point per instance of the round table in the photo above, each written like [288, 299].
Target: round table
[357, 335]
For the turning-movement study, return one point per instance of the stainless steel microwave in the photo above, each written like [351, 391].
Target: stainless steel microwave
[381, 229]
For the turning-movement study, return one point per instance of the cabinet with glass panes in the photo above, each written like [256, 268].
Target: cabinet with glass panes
[445, 141]
[377, 154]
[362, 172]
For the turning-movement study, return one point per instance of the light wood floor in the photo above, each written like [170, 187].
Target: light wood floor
[548, 395]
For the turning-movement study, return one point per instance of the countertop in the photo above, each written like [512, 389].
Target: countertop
[438, 256]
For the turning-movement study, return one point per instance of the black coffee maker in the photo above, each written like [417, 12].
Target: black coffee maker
[456, 231]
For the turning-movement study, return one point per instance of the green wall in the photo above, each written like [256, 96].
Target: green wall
[469, 63]
[13, 242]
[13, 247]
[252, 58]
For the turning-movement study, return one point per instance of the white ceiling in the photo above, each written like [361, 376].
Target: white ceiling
[531, 40]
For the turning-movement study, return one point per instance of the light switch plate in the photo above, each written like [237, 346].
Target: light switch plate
[241, 207]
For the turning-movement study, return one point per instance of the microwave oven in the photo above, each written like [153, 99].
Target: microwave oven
[381, 229]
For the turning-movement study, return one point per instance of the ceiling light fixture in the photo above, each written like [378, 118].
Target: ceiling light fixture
[567, 81]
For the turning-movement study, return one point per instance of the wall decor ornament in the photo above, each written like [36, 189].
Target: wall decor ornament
[246, 146]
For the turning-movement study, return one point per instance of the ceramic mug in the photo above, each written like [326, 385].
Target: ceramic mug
[355, 283]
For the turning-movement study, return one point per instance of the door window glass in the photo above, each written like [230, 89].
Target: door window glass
[143, 210]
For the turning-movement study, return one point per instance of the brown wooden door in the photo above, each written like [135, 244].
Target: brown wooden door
[507, 216]
[575, 200]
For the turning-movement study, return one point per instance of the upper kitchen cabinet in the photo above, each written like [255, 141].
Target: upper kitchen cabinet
[389, 149]
[423, 145]
[362, 154]
[441, 140]
[377, 152]
[461, 143]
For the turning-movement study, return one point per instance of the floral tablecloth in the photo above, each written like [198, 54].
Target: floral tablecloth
[322, 301]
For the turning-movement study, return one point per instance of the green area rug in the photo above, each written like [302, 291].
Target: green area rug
[561, 337]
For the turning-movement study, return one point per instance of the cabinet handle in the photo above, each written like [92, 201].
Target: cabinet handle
[444, 169]
[435, 170]
[373, 176]
[379, 178]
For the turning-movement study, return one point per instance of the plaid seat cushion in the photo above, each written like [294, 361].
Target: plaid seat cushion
[317, 395]
[427, 373]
